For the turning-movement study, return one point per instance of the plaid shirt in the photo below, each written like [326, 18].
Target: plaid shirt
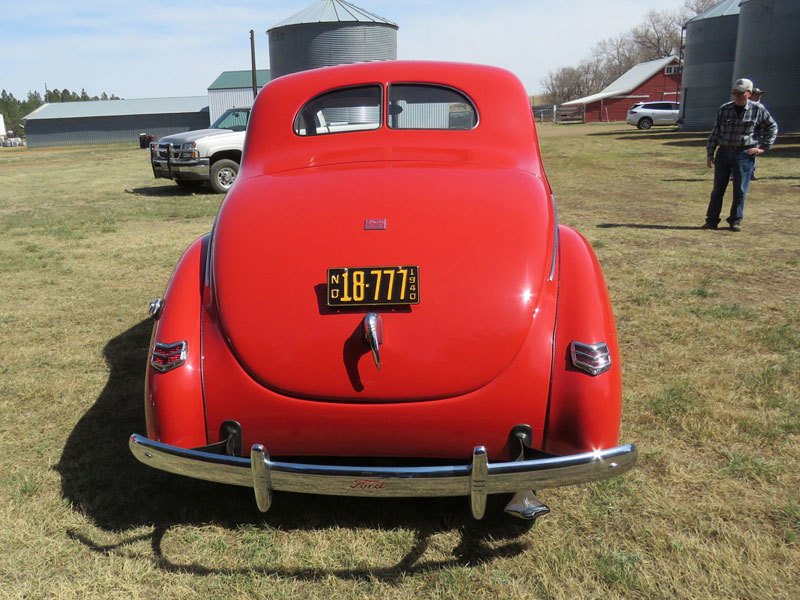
[755, 127]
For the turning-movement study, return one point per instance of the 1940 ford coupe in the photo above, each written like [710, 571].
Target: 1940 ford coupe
[386, 304]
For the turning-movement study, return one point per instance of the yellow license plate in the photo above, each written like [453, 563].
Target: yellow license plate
[372, 286]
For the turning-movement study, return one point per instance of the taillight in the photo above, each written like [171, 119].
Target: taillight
[591, 358]
[167, 357]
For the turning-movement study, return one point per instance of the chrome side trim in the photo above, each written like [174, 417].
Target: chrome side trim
[553, 260]
[449, 480]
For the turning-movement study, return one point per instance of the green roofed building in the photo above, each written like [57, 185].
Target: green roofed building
[232, 89]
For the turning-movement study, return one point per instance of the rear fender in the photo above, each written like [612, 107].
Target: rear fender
[174, 407]
[584, 410]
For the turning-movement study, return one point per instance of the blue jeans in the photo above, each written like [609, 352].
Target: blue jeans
[729, 161]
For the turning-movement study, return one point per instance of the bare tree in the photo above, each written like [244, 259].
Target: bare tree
[569, 83]
[618, 54]
[658, 36]
[695, 7]
[562, 85]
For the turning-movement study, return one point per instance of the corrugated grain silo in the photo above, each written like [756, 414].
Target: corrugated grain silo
[709, 53]
[327, 33]
[768, 52]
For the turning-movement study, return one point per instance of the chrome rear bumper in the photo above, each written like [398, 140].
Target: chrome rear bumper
[475, 480]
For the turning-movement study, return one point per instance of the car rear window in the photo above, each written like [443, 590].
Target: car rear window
[411, 106]
[345, 109]
[422, 106]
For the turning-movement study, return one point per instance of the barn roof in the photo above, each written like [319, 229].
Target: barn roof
[629, 81]
[116, 108]
[230, 80]
[332, 11]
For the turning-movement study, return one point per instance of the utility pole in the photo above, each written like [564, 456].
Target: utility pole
[253, 62]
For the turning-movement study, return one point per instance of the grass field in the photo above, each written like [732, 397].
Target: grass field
[709, 325]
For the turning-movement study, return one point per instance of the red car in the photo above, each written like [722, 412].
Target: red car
[386, 304]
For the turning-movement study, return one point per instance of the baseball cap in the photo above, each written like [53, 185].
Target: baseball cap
[743, 85]
[757, 90]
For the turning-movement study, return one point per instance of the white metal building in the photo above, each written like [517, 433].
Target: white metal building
[232, 89]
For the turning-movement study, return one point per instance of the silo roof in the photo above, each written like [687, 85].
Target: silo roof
[333, 11]
[723, 9]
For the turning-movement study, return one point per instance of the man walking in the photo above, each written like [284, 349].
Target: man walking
[736, 145]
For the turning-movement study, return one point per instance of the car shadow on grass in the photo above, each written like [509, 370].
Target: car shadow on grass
[101, 479]
[170, 191]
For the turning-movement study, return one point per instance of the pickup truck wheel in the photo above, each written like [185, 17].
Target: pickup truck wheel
[223, 173]
[188, 184]
[645, 123]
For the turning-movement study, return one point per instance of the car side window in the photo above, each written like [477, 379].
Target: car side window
[345, 109]
[420, 106]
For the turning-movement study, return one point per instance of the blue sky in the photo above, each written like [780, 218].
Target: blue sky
[152, 48]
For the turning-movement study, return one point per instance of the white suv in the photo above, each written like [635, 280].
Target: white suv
[646, 114]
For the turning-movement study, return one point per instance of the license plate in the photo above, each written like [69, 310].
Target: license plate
[372, 286]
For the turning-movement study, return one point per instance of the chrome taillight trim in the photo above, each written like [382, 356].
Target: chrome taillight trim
[593, 359]
[172, 354]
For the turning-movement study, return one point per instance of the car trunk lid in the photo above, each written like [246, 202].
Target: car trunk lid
[481, 239]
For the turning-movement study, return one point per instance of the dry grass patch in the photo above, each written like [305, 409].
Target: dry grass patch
[708, 324]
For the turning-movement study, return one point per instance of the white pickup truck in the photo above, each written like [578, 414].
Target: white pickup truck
[212, 155]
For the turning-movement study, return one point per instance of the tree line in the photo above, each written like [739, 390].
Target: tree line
[658, 36]
[14, 109]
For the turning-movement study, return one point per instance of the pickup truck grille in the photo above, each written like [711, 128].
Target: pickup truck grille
[160, 151]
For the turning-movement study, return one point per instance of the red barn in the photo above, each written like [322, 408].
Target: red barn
[649, 81]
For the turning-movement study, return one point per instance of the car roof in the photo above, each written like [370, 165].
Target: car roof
[505, 134]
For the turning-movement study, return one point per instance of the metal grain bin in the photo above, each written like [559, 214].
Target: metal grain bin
[768, 52]
[709, 53]
[327, 33]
